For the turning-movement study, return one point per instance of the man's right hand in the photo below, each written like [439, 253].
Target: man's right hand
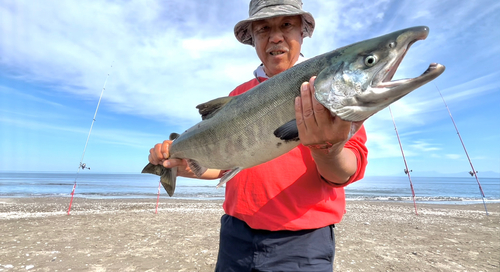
[159, 154]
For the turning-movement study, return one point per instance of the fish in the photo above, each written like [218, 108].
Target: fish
[353, 82]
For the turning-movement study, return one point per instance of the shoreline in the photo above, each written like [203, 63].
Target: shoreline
[405, 199]
[127, 235]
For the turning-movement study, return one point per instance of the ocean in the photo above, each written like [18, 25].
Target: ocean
[444, 190]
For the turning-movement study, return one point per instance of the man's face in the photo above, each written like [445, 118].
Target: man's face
[278, 41]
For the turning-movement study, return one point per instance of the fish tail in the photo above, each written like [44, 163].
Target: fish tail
[168, 176]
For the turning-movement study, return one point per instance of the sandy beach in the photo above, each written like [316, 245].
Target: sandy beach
[126, 235]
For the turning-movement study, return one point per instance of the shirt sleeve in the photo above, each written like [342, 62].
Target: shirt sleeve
[357, 145]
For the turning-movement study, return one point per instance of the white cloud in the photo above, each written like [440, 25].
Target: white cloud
[122, 137]
[382, 145]
[424, 146]
[473, 88]
[339, 23]
[453, 156]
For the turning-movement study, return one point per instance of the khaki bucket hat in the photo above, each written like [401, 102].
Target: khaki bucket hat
[264, 9]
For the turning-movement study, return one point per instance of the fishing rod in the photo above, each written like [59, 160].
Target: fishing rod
[407, 172]
[82, 165]
[158, 197]
[473, 172]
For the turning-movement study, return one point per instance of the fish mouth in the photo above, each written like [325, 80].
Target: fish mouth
[395, 66]
[432, 71]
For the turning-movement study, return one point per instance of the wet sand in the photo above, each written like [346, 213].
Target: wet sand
[126, 235]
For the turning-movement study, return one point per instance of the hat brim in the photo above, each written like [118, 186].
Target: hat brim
[242, 30]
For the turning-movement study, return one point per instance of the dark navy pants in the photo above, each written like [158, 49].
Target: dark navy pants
[242, 248]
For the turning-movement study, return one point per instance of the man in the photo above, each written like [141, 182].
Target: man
[280, 214]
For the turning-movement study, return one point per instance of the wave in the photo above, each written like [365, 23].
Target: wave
[435, 199]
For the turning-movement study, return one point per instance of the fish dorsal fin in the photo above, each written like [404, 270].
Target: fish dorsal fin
[210, 108]
[173, 136]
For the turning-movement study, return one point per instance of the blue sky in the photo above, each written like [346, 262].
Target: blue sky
[165, 58]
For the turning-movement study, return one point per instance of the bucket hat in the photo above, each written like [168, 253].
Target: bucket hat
[264, 9]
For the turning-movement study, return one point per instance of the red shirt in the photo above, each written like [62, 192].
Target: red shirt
[288, 193]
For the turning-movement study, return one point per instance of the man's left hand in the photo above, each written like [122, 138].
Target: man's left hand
[316, 125]
[325, 135]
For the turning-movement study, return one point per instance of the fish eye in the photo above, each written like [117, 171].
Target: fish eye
[392, 45]
[370, 60]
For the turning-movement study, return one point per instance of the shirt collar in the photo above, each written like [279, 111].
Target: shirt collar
[259, 72]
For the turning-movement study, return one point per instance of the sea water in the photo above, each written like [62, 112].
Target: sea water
[446, 190]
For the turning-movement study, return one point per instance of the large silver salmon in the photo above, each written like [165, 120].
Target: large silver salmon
[353, 82]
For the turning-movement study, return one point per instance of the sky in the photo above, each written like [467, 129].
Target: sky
[159, 59]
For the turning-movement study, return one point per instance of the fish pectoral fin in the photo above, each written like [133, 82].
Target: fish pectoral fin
[288, 131]
[197, 169]
[210, 108]
[229, 175]
[168, 176]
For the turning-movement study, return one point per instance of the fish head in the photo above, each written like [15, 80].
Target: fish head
[358, 81]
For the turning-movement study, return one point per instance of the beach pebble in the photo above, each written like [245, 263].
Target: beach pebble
[380, 247]
[28, 267]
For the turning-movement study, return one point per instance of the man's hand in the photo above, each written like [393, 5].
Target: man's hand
[325, 135]
[159, 154]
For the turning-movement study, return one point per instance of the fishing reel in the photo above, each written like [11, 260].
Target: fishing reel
[84, 166]
[472, 173]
